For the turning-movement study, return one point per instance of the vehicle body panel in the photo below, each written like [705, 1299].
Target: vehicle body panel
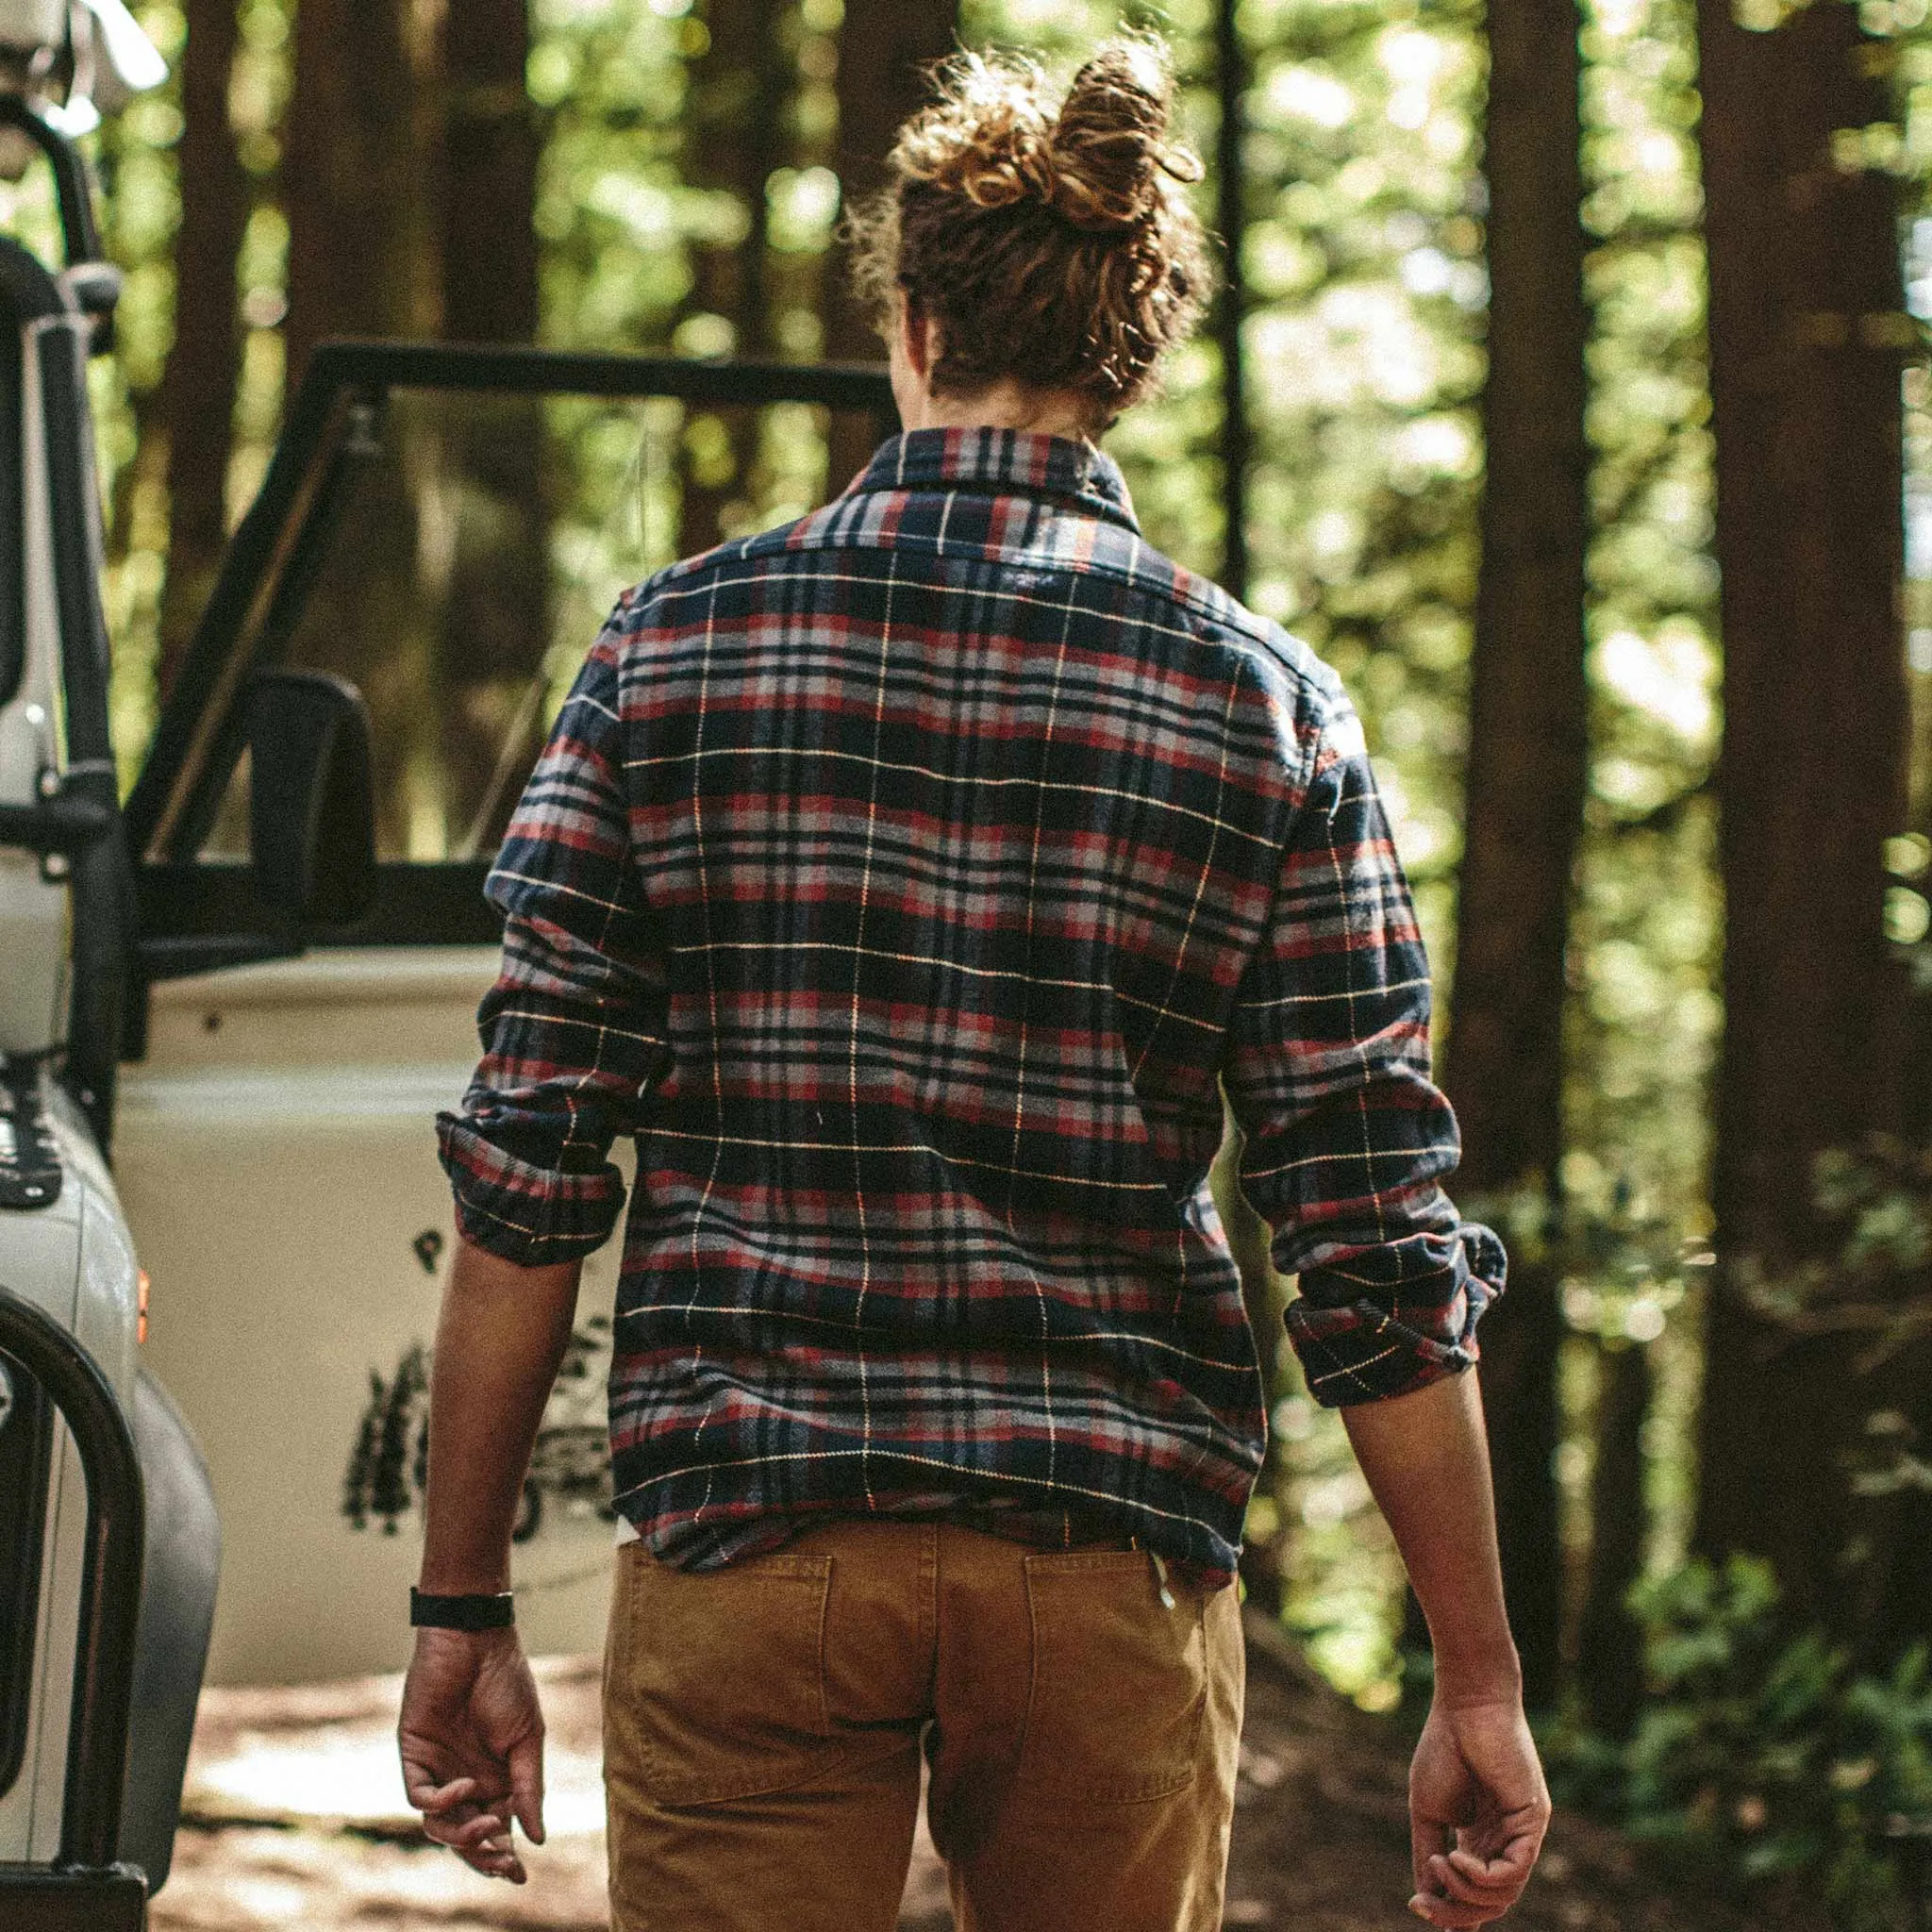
[65, 937]
[280, 1165]
[178, 1604]
[274, 1149]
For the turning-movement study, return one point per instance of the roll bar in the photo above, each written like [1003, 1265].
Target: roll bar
[97, 1727]
[79, 232]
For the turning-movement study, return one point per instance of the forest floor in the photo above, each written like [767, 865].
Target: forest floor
[294, 1816]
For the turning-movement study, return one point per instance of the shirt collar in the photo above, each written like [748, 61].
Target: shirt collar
[1003, 462]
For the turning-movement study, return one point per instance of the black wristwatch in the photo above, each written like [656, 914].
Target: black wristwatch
[461, 1612]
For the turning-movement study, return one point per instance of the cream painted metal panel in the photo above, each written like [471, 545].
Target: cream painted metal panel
[277, 1161]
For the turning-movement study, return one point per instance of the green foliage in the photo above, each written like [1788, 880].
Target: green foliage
[1364, 337]
[1874, 1202]
[1760, 1756]
[1642, 1029]
[614, 218]
[1344, 1580]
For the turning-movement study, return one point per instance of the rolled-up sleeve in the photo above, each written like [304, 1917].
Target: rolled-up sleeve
[1346, 1136]
[574, 1030]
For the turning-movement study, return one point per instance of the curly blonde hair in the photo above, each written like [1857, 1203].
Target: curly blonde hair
[1053, 245]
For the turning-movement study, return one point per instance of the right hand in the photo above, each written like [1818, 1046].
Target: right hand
[1478, 1808]
[471, 1741]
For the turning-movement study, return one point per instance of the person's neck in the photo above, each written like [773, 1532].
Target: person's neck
[1005, 405]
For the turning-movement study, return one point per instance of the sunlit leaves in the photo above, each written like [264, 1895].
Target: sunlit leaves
[611, 208]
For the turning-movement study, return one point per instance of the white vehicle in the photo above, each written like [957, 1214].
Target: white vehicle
[109, 1543]
[265, 1162]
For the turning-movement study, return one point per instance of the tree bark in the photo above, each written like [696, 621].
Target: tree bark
[737, 140]
[1609, 1647]
[1233, 76]
[489, 156]
[205, 359]
[490, 175]
[1806, 331]
[495, 615]
[1899, 1525]
[361, 260]
[885, 48]
[1526, 769]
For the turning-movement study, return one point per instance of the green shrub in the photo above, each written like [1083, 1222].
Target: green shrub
[1761, 1757]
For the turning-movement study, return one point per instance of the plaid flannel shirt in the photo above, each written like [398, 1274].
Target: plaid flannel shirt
[911, 881]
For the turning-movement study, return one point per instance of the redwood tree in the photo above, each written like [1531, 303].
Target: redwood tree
[1610, 1646]
[1806, 333]
[736, 140]
[1526, 767]
[362, 261]
[491, 148]
[885, 48]
[495, 616]
[204, 361]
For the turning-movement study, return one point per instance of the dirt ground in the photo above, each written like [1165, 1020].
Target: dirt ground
[296, 1816]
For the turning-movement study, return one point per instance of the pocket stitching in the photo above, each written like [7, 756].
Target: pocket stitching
[1122, 1791]
[799, 1766]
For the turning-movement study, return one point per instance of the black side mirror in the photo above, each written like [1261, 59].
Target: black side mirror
[312, 801]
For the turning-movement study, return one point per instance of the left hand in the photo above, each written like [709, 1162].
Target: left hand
[471, 1741]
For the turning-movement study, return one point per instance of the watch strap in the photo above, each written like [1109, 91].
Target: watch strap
[430, 1612]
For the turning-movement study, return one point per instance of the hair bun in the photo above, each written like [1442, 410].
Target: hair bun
[1048, 238]
[1108, 152]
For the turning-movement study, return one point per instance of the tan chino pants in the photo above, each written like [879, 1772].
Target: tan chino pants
[763, 1727]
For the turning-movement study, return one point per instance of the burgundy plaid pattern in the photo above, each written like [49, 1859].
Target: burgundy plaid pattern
[910, 882]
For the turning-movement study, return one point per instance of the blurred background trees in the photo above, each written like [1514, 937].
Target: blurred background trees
[1575, 340]
[1807, 333]
[1527, 772]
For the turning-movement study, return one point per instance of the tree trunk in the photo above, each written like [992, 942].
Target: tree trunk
[1609, 1647]
[1526, 769]
[885, 50]
[737, 140]
[489, 156]
[362, 262]
[1807, 332]
[205, 362]
[1898, 1603]
[495, 615]
[360, 254]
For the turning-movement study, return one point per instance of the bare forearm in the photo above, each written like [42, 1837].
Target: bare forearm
[499, 1340]
[1427, 1458]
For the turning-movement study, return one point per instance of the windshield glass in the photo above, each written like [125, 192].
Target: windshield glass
[452, 552]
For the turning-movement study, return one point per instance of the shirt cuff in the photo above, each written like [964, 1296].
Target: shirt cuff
[1353, 1348]
[531, 1215]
